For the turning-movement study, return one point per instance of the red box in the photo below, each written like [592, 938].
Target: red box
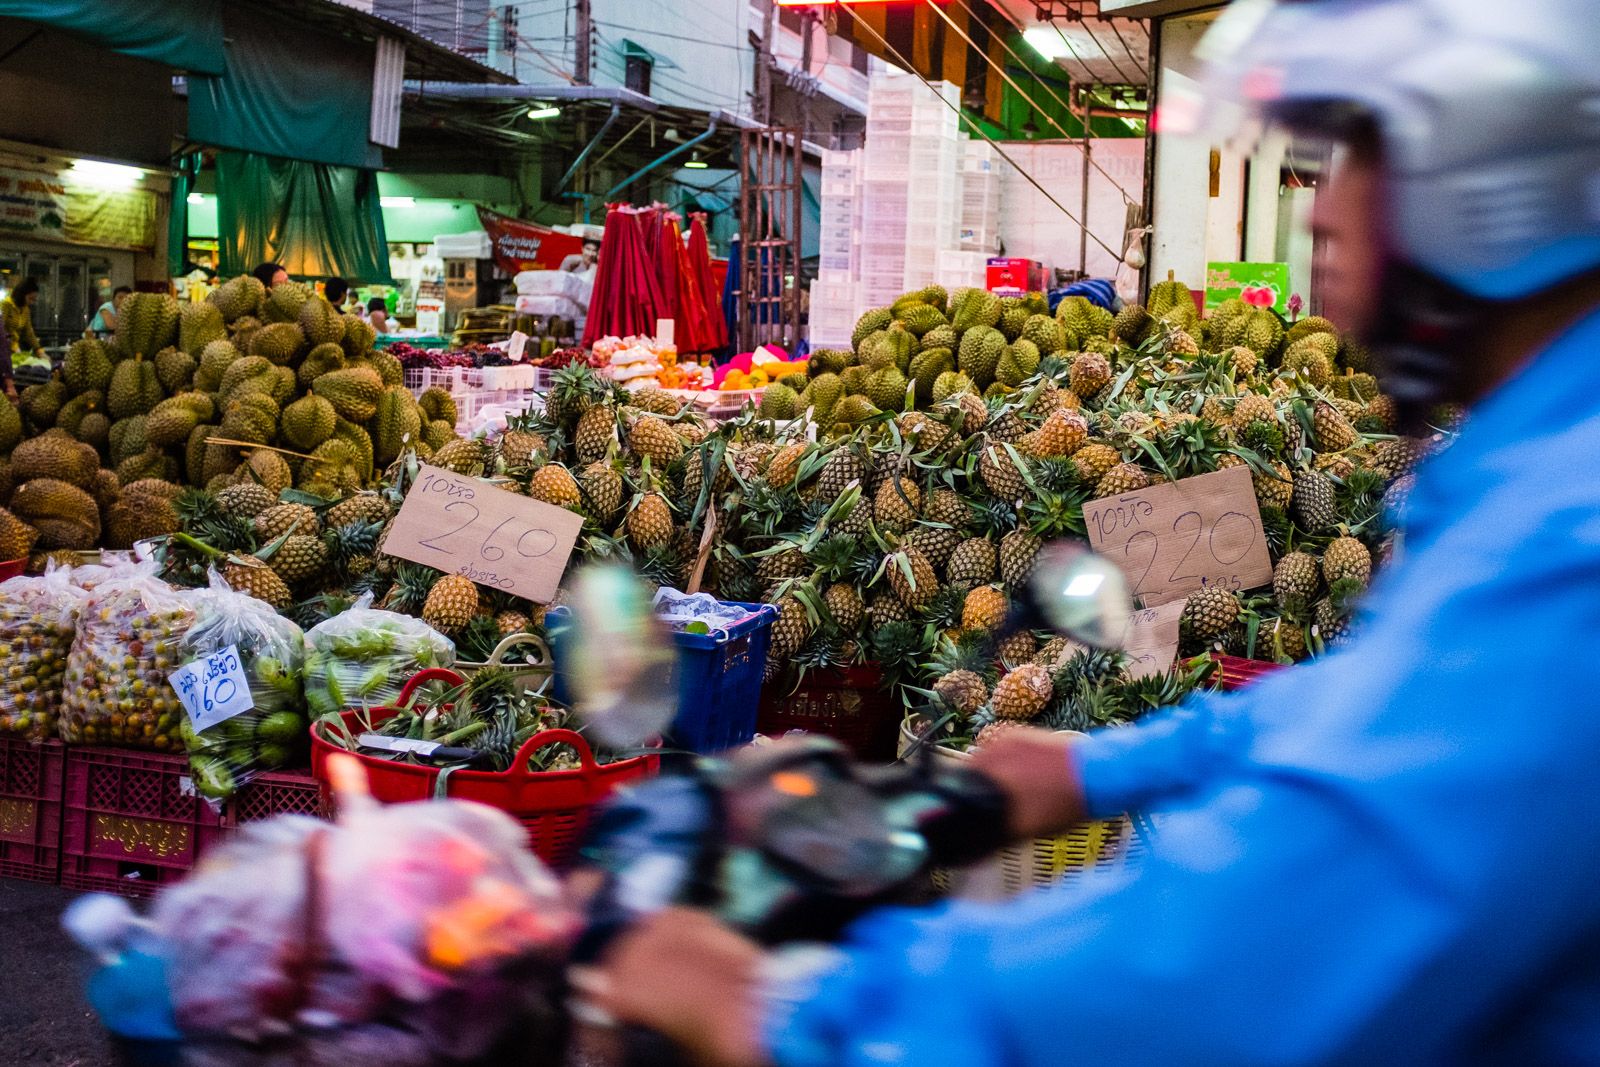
[31, 790]
[274, 793]
[1008, 276]
[847, 704]
[1236, 672]
[132, 825]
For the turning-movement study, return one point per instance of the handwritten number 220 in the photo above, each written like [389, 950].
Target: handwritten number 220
[1145, 541]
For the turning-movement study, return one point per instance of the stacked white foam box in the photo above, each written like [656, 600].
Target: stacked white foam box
[981, 173]
[835, 305]
[910, 200]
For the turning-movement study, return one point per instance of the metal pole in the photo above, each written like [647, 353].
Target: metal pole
[584, 44]
[763, 101]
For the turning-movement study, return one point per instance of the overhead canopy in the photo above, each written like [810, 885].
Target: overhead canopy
[317, 220]
[187, 36]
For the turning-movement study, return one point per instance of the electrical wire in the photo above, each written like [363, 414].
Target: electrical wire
[670, 36]
[1127, 199]
[977, 129]
[1135, 60]
[1089, 29]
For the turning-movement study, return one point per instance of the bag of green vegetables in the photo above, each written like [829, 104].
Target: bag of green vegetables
[363, 657]
[240, 683]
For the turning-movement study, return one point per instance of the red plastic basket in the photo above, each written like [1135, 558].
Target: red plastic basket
[1236, 672]
[132, 824]
[32, 774]
[845, 703]
[274, 793]
[12, 567]
[553, 806]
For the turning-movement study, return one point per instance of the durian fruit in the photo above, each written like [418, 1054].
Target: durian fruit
[64, 515]
[87, 366]
[387, 366]
[437, 403]
[353, 392]
[175, 369]
[42, 403]
[238, 297]
[278, 342]
[214, 363]
[252, 417]
[359, 337]
[171, 421]
[74, 411]
[10, 427]
[321, 360]
[247, 374]
[284, 302]
[974, 307]
[267, 469]
[321, 323]
[396, 422]
[151, 463]
[94, 430]
[127, 437]
[146, 509]
[134, 388]
[308, 422]
[17, 538]
[358, 439]
[198, 325]
[55, 455]
[147, 323]
[334, 469]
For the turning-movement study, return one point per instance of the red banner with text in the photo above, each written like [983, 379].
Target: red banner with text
[519, 246]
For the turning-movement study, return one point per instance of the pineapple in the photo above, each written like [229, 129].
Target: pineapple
[512, 622]
[845, 606]
[783, 467]
[1000, 472]
[1253, 407]
[1019, 647]
[1210, 613]
[554, 484]
[1311, 501]
[1330, 428]
[896, 503]
[974, 413]
[1006, 426]
[469, 456]
[1062, 434]
[1334, 464]
[602, 488]
[1123, 478]
[1022, 693]
[1019, 551]
[652, 439]
[972, 562]
[649, 524]
[1346, 557]
[946, 506]
[1090, 373]
[984, 609]
[1245, 361]
[990, 732]
[279, 519]
[245, 499]
[363, 507]
[1382, 409]
[1094, 461]
[790, 630]
[521, 448]
[1056, 652]
[912, 578]
[1332, 623]
[789, 562]
[575, 389]
[1274, 491]
[254, 578]
[451, 604]
[843, 467]
[886, 608]
[299, 558]
[597, 428]
[1294, 581]
[1394, 459]
[963, 691]
[935, 542]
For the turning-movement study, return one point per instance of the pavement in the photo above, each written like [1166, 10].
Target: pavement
[44, 1021]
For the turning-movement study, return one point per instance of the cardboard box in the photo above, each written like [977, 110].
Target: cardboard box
[1010, 276]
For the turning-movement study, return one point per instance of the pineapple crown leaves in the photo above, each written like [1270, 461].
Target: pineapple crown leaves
[944, 612]
[842, 558]
[967, 651]
[1052, 515]
[898, 647]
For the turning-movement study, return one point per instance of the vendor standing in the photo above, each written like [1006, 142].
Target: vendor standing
[16, 313]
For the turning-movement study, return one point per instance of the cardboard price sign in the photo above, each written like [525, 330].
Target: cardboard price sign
[497, 538]
[1173, 539]
[1152, 642]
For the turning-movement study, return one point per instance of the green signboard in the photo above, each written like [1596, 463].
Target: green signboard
[1261, 284]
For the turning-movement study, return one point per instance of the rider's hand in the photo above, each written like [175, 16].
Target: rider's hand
[1037, 777]
[689, 978]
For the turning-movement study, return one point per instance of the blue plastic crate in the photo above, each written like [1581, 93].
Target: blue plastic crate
[718, 677]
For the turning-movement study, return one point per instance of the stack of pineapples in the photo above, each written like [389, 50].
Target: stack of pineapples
[899, 536]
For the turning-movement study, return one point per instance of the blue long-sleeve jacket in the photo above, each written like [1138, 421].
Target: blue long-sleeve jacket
[1389, 856]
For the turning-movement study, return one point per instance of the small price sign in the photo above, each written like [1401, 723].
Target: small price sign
[213, 688]
[1174, 539]
[1152, 642]
[498, 539]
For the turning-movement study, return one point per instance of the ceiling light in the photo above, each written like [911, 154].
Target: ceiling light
[549, 111]
[696, 164]
[197, 198]
[397, 201]
[1047, 42]
[105, 175]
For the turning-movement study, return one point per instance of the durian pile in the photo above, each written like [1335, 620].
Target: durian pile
[271, 388]
[899, 536]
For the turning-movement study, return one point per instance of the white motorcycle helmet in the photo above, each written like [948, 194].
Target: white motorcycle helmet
[1488, 119]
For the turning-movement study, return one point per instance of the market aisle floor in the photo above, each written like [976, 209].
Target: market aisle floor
[43, 1019]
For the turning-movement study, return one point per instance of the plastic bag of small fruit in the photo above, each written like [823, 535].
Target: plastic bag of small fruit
[38, 620]
[362, 657]
[240, 663]
[116, 690]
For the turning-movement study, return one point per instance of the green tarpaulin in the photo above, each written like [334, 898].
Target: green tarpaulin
[287, 92]
[319, 221]
[185, 34]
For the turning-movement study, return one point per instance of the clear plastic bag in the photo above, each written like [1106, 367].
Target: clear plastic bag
[38, 621]
[433, 935]
[116, 690]
[362, 658]
[270, 649]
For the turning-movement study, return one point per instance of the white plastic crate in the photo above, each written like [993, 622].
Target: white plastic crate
[831, 295]
[840, 261]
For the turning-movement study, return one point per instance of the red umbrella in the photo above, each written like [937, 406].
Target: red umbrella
[626, 298]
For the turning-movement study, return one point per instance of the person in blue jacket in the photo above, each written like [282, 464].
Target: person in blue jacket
[1391, 855]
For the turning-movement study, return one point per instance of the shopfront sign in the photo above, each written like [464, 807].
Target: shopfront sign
[1263, 285]
[518, 246]
[48, 205]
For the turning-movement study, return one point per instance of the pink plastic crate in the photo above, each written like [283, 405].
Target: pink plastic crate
[31, 776]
